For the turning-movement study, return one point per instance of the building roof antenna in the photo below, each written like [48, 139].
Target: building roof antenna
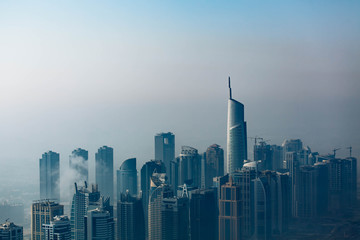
[230, 88]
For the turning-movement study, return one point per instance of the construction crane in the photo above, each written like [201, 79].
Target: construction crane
[256, 138]
[334, 150]
[350, 149]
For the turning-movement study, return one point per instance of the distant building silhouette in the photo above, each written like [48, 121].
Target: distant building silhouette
[130, 218]
[104, 175]
[78, 161]
[264, 154]
[165, 149]
[10, 231]
[214, 164]
[236, 135]
[58, 229]
[41, 213]
[277, 157]
[49, 176]
[127, 178]
[340, 184]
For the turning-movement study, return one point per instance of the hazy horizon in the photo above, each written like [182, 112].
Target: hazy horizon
[88, 74]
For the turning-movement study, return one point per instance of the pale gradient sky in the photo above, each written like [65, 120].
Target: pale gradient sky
[93, 73]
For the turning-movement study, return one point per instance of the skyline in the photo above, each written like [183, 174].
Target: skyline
[89, 75]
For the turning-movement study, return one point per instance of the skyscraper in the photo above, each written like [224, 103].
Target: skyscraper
[230, 212]
[104, 171]
[78, 212]
[175, 218]
[203, 214]
[100, 225]
[146, 173]
[78, 161]
[189, 167]
[236, 135]
[264, 154]
[58, 229]
[261, 200]
[10, 231]
[243, 179]
[49, 176]
[165, 149]
[130, 218]
[41, 213]
[127, 178]
[214, 164]
[159, 190]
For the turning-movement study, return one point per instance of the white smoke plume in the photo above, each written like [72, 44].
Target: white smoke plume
[71, 174]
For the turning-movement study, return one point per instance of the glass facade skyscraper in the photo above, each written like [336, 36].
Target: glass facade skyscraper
[104, 171]
[165, 149]
[49, 176]
[127, 178]
[236, 135]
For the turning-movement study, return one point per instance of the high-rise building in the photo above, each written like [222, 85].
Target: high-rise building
[203, 214]
[270, 205]
[104, 171]
[100, 225]
[130, 218]
[42, 212]
[127, 178]
[243, 180]
[281, 197]
[236, 135]
[230, 212]
[264, 154]
[58, 229]
[189, 167]
[78, 161]
[49, 176]
[147, 171]
[277, 157]
[214, 164]
[261, 200]
[340, 184]
[306, 189]
[158, 191]
[292, 145]
[10, 231]
[353, 162]
[165, 149]
[175, 218]
[79, 207]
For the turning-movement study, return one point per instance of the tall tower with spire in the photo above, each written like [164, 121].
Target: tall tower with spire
[236, 135]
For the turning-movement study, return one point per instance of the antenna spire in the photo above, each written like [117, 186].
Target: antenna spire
[230, 88]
